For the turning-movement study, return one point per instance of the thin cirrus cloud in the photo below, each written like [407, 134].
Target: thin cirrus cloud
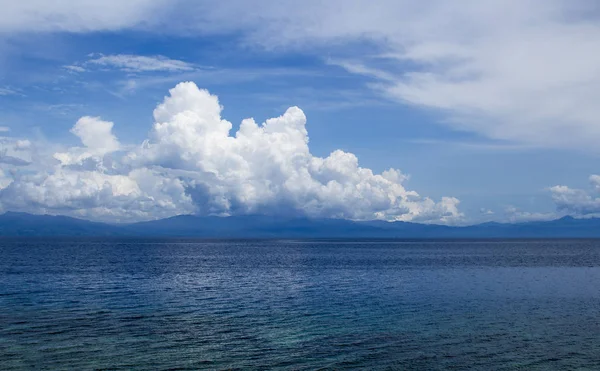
[191, 164]
[133, 63]
[515, 215]
[7, 91]
[522, 71]
[79, 16]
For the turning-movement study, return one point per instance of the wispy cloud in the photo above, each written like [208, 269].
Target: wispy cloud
[80, 16]
[514, 215]
[8, 91]
[131, 63]
[222, 76]
[138, 63]
[74, 68]
[473, 144]
[361, 69]
[62, 109]
[524, 71]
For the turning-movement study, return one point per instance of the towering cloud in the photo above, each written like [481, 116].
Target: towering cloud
[192, 163]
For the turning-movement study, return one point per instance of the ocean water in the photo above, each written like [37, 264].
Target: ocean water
[84, 304]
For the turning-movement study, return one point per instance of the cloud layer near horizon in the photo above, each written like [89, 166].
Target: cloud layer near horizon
[191, 164]
[578, 202]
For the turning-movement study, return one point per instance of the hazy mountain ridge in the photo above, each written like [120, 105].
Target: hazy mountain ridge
[22, 224]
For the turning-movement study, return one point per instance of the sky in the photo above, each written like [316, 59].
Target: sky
[433, 112]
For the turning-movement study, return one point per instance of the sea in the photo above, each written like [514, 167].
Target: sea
[130, 304]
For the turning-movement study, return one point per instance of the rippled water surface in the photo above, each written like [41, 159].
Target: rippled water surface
[184, 304]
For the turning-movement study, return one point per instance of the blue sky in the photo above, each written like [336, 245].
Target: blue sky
[490, 108]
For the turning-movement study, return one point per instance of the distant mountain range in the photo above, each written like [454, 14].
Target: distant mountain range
[22, 224]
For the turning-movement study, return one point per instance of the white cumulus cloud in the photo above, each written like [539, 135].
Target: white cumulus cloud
[192, 163]
[96, 134]
[98, 140]
[578, 202]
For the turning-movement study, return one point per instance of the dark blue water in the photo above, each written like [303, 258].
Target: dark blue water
[107, 304]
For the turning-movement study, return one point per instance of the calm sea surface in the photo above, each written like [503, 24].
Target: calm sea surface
[185, 304]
